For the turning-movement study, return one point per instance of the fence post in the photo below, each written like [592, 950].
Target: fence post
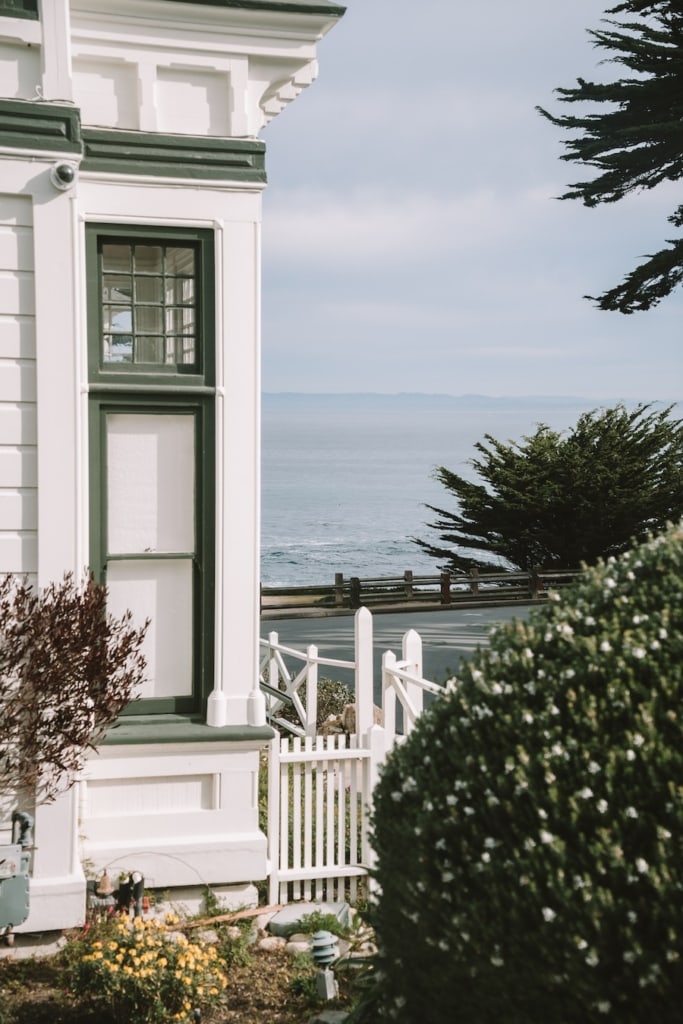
[339, 589]
[445, 588]
[310, 725]
[535, 582]
[274, 820]
[273, 669]
[364, 688]
[388, 698]
[474, 580]
[354, 592]
[412, 655]
[408, 579]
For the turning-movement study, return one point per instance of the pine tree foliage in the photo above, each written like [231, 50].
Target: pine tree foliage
[636, 139]
[557, 500]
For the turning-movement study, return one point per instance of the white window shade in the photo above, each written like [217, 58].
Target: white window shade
[159, 590]
[150, 483]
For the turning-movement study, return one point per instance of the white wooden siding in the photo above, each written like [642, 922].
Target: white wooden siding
[18, 428]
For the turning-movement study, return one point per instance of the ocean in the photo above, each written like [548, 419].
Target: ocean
[345, 478]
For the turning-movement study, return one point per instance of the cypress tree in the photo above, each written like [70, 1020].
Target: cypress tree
[635, 138]
[558, 500]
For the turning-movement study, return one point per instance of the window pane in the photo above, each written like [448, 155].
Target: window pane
[180, 320]
[180, 261]
[179, 291]
[150, 483]
[150, 349]
[117, 319]
[149, 259]
[149, 319]
[118, 348]
[116, 257]
[116, 288]
[162, 592]
[184, 350]
[148, 289]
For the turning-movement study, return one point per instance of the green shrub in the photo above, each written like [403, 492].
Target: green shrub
[143, 971]
[529, 832]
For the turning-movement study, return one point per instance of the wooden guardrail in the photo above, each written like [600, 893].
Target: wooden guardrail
[443, 589]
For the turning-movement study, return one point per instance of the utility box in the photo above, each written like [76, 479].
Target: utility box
[14, 890]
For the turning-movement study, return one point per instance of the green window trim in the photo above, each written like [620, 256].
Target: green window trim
[198, 374]
[126, 395]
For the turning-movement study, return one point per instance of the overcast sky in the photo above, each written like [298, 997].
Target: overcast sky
[412, 241]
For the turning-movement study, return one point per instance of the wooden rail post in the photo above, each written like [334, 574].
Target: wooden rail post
[445, 584]
[364, 689]
[339, 589]
[354, 592]
[408, 578]
[474, 580]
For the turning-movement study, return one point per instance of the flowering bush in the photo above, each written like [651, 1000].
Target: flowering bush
[529, 832]
[144, 971]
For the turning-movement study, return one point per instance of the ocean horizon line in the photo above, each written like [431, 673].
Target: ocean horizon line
[469, 397]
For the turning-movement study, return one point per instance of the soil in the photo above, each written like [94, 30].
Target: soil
[269, 986]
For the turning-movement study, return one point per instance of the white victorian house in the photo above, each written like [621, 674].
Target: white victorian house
[131, 176]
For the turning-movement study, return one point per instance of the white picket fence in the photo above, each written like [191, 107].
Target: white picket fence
[320, 787]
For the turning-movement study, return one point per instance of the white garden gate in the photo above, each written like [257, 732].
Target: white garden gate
[320, 787]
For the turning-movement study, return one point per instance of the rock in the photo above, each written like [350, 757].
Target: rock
[271, 943]
[329, 1017]
[299, 945]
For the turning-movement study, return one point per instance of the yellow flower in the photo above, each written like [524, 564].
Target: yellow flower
[112, 945]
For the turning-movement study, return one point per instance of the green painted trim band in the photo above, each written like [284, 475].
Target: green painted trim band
[177, 156]
[327, 7]
[175, 729]
[25, 124]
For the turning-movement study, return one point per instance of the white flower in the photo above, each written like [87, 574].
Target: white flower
[638, 740]
[642, 865]
[639, 652]
[630, 956]
[631, 812]
[602, 806]
[586, 792]
[546, 837]
[604, 1006]
[605, 646]
[630, 755]
[610, 583]
[527, 717]
[593, 767]
[549, 914]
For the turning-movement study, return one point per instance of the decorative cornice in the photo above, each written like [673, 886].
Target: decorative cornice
[42, 126]
[326, 7]
[177, 156]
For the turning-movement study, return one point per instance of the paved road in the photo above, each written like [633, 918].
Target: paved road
[447, 636]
